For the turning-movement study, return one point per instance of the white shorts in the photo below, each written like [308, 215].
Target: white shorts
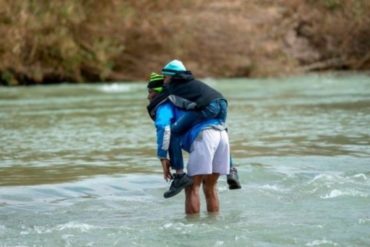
[210, 153]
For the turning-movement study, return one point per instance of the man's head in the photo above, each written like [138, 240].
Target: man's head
[171, 69]
[155, 85]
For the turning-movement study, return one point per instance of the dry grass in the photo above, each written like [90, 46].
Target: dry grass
[338, 29]
[48, 41]
[54, 41]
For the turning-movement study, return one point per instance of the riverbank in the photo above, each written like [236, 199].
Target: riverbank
[68, 41]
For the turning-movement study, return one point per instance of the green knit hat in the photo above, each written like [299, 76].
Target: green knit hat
[156, 82]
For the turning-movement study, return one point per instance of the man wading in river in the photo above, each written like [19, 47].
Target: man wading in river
[200, 102]
[207, 142]
[180, 179]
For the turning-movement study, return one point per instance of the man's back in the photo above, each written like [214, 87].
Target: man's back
[167, 114]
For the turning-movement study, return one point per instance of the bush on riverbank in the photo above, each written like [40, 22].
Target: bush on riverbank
[77, 41]
[339, 30]
[49, 41]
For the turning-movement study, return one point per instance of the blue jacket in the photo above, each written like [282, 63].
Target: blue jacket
[167, 114]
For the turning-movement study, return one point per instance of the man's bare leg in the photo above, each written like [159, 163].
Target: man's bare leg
[192, 198]
[210, 192]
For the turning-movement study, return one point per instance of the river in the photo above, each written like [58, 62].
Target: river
[78, 167]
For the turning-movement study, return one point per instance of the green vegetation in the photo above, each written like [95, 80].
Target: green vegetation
[109, 40]
[343, 32]
[51, 41]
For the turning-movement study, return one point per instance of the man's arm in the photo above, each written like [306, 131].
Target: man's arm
[164, 117]
[166, 169]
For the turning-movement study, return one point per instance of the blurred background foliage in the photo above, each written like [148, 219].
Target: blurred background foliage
[45, 41]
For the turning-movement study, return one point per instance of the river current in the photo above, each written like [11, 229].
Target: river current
[78, 167]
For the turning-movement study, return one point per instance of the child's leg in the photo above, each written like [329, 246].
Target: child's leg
[214, 110]
[232, 178]
[222, 115]
[185, 122]
[217, 108]
[177, 129]
[180, 179]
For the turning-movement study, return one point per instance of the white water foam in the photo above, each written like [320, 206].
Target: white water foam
[338, 193]
[325, 177]
[360, 175]
[177, 226]
[74, 225]
[116, 88]
[271, 187]
[322, 242]
[219, 243]
[339, 178]
[364, 221]
[67, 226]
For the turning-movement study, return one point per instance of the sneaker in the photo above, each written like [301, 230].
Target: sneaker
[233, 179]
[179, 182]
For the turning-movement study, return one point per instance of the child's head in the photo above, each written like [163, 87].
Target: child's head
[172, 68]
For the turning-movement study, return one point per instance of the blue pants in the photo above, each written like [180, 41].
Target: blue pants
[216, 109]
